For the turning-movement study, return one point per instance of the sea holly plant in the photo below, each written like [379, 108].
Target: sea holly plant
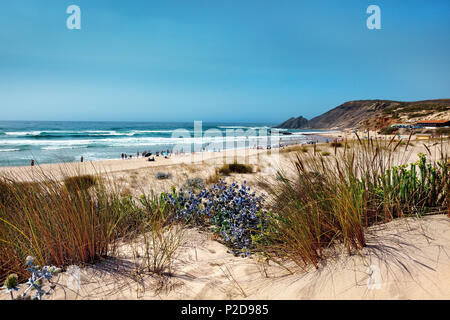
[35, 282]
[236, 213]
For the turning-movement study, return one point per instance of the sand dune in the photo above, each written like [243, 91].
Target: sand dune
[404, 259]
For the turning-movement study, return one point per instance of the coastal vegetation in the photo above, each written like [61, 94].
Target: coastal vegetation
[294, 149]
[212, 179]
[163, 175]
[57, 223]
[418, 109]
[303, 216]
[388, 130]
[82, 182]
[333, 200]
[235, 167]
[336, 144]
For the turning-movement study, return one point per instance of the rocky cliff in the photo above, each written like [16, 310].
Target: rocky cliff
[373, 114]
[294, 123]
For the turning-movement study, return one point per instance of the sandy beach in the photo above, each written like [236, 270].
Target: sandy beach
[407, 258]
[225, 150]
[403, 260]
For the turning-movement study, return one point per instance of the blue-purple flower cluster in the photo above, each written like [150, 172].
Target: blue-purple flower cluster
[237, 214]
[35, 282]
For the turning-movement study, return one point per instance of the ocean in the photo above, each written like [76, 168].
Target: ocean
[53, 142]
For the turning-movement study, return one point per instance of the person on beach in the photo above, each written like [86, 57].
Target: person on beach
[82, 159]
[32, 162]
[137, 154]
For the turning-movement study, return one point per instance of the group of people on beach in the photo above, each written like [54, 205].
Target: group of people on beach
[148, 155]
[166, 153]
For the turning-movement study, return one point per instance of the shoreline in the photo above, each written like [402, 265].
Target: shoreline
[174, 158]
[204, 267]
[68, 143]
[205, 156]
[209, 159]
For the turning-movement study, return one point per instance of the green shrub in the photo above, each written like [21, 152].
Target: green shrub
[224, 170]
[163, 176]
[336, 144]
[235, 167]
[240, 168]
[387, 130]
[83, 182]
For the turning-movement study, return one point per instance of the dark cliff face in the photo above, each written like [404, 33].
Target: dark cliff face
[294, 123]
[354, 114]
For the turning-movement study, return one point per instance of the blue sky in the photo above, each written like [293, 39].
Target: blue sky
[216, 60]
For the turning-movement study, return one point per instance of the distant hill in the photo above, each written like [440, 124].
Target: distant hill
[294, 123]
[373, 114]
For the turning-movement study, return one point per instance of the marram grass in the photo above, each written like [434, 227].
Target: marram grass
[78, 219]
[330, 200]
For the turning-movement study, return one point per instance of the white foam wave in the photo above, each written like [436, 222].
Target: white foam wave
[152, 131]
[9, 150]
[50, 144]
[242, 127]
[23, 133]
[37, 133]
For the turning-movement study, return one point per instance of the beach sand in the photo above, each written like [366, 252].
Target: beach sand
[404, 259]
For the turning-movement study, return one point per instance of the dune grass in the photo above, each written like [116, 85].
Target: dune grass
[73, 222]
[156, 236]
[213, 179]
[78, 219]
[326, 200]
[333, 200]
